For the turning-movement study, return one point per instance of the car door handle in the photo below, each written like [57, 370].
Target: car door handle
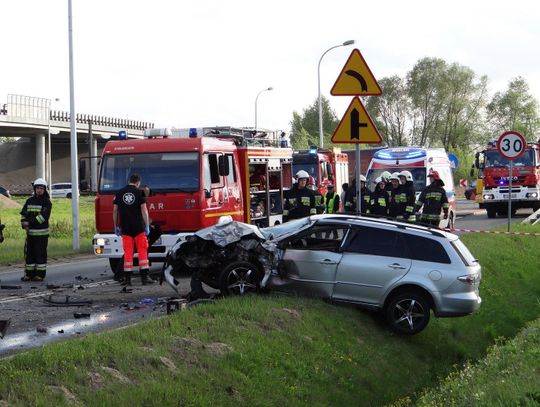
[397, 266]
[328, 261]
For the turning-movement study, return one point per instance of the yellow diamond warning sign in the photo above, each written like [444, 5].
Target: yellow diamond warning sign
[356, 127]
[356, 78]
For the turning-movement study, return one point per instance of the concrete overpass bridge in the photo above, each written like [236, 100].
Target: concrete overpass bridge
[43, 145]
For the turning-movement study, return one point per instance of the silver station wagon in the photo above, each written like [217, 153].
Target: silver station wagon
[402, 270]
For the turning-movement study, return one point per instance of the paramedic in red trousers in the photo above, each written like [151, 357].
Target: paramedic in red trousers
[35, 220]
[433, 199]
[131, 221]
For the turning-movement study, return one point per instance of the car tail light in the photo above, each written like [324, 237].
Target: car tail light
[470, 279]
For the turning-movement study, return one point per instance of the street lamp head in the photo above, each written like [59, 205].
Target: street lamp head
[349, 42]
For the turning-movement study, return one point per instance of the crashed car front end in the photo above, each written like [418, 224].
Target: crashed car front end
[211, 254]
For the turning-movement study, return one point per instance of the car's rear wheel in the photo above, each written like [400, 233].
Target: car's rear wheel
[68, 196]
[408, 313]
[239, 278]
[491, 213]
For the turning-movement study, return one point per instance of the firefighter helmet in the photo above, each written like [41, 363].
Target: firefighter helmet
[379, 180]
[302, 174]
[435, 175]
[40, 182]
[406, 174]
[395, 175]
[362, 178]
[386, 175]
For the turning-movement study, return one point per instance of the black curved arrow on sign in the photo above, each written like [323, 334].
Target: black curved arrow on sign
[360, 78]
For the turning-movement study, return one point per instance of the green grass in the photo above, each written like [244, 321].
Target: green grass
[60, 226]
[508, 376]
[289, 351]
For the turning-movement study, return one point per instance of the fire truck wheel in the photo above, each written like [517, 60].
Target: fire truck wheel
[239, 278]
[491, 213]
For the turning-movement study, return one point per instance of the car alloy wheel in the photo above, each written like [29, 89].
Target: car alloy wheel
[239, 278]
[408, 313]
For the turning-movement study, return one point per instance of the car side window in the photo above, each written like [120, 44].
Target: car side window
[422, 248]
[319, 238]
[376, 242]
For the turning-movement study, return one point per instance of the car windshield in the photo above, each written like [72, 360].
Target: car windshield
[162, 172]
[274, 232]
[419, 176]
[494, 159]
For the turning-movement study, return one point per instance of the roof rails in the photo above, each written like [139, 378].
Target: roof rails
[388, 221]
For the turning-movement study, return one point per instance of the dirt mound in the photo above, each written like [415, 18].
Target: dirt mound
[7, 203]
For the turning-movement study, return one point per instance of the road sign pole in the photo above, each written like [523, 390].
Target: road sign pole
[510, 195]
[357, 175]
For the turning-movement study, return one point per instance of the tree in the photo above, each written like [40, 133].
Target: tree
[515, 109]
[424, 87]
[391, 111]
[305, 127]
[462, 99]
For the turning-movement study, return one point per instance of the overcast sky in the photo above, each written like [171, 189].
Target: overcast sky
[193, 64]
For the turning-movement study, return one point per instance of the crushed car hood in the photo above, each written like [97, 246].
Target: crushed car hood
[231, 232]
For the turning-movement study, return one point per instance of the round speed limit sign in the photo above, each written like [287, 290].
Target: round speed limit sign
[511, 145]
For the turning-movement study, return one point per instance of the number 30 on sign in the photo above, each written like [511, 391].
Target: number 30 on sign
[511, 145]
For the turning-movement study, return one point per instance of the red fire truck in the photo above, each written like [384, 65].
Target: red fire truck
[326, 166]
[494, 172]
[195, 177]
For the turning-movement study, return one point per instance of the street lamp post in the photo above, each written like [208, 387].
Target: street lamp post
[349, 42]
[264, 90]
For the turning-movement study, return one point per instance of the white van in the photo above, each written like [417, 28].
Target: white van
[61, 190]
[420, 162]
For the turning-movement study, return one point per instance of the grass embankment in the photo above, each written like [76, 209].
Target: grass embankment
[273, 350]
[60, 226]
[508, 376]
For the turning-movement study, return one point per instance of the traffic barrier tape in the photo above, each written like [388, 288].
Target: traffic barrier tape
[496, 232]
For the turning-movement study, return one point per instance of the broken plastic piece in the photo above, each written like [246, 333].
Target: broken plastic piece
[4, 323]
[10, 287]
[81, 314]
[66, 302]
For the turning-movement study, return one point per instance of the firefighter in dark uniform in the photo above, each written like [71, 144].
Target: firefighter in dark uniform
[331, 200]
[35, 220]
[319, 205]
[408, 195]
[350, 198]
[396, 206]
[379, 199]
[300, 201]
[433, 199]
[365, 195]
[386, 178]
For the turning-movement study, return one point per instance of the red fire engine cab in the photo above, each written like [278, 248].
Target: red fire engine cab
[326, 166]
[195, 176]
[494, 172]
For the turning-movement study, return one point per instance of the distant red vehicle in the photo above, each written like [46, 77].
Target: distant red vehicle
[494, 173]
[326, 166]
